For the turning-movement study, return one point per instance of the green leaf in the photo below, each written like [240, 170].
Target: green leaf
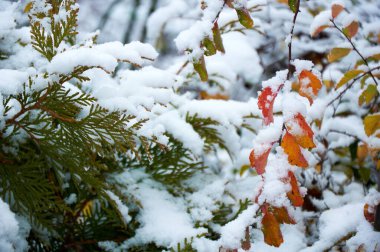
[292, 5]
[209, 46]
[244, 18]
[200, 68]
[348, 76]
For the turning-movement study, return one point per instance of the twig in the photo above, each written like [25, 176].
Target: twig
[347, 134]
[291, 37]
[355, 49]
[351, 84]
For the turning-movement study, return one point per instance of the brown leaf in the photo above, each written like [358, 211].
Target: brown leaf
[271, 230]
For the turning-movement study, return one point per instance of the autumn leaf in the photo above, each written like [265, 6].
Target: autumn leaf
[371, 124]
[294, 195]
[338, 53]
[301, 131]
[210, 48]
[348, 76]
[282, 215]
[319, 30]
[265, 103]
[200, 68]
[293, 150]
[369, 215]
[292, 5]
[259, 162]
[206, 96]
[217, 38]
[352, 29]
[244, 18]
[271, 230]
[336, 9]
[368, 94]
[309, 85]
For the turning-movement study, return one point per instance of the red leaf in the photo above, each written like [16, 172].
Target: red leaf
[301, 131]
[294, 195]
[369, 215]
[265, 103]
[282, 215]
[259, 162]
[293, 150]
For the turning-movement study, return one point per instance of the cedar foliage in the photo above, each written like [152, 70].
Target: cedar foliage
[63, 143]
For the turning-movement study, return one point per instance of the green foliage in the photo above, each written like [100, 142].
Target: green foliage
[169, 164]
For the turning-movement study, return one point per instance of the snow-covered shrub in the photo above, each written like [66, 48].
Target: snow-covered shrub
[146, 144]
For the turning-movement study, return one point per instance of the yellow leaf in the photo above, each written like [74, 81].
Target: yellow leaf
[368, 95]
[338, 53]
[28, 7]
[371, 124]
[348, 76]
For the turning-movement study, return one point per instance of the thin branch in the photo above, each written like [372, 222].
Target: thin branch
[291, 37]
[351, 84]
[355, 49]
[347, 134]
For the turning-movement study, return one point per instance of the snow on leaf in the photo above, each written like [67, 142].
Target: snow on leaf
[369, 213]
[301, 131]
[294, 195]
[348, 76]
[259, 162]
[265, 103]
[293, 150]
[368, 94]
[310, 85]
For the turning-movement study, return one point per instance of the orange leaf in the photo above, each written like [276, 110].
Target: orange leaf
[294, 195]
[293, 150]
[271, 230]
[369, 216]
[259, 162]
[309, 85]
[336, 9]
[282, 215]
[301, 131]
[351, 29]
[319, 30]
[265, 103]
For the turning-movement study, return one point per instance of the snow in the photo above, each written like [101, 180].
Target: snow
[301, 65]
[10, 239]
[121, 207]
[66, 62]
[322, 19]
[276, 81]
[12, 81]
